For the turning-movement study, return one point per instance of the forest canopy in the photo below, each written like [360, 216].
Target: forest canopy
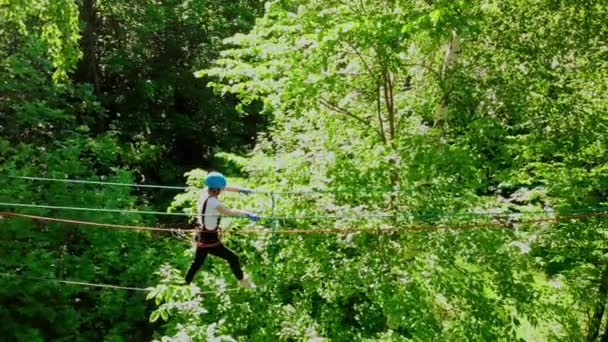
[422, 170]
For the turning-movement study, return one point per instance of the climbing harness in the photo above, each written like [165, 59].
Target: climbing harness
[207, 238]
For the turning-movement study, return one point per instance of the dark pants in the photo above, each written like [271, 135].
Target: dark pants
[220, 251]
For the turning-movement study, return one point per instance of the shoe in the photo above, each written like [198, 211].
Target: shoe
[247, 283]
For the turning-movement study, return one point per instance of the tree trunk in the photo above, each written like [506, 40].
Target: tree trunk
[88, 69]
[605, 335]
[389, 99]
[451, 50]
[598, 314]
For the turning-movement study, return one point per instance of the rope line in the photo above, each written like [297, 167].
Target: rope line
[261, 191]
[88, 223]
[121, 211]
[306, 217]
[106, 286]
[73, 282]
[79, 181]
[181, 187]
[266, 230]
[143, 212]
[290, 231]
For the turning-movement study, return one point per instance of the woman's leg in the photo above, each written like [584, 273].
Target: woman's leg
[228, 255]
[199, 258]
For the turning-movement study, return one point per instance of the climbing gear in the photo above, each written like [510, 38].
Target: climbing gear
[252, 217]
[202, 244]
[207, 238]
[208, 241]
[215, 180]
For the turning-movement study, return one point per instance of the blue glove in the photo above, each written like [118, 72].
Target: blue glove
[246, 191]
[252, 217]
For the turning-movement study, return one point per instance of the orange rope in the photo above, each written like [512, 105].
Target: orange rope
[314, 231]
[87, 223]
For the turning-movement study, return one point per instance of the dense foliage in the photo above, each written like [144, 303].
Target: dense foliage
[102, 90]
[464, 110]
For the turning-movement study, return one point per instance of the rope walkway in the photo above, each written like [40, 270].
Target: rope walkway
[290, 231]
[266, 230]
[506, 224]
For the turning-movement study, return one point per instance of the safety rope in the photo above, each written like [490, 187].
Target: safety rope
[87, 223]
[290, 231]
[106, 286]
[72, 282]
[265, 230]
[273, 218]
[105, 210]
[141, 212]
[78, 181]
[181, 187]
[260, 191]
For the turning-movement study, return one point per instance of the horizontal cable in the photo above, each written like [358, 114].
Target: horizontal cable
[78, 181]
[135, 185]
[121, 211]
[81, 283]
[72, 282]
[88, 223]
[143, 212]
[267, 230]
[427, 215]
[261, 191]
[437, 214]
[336, 191]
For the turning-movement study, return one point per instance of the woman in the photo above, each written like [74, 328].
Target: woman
[207, 239]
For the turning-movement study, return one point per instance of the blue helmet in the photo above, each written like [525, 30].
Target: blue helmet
[215, 180]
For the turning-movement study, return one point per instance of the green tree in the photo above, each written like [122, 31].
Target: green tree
[140, 58]
[425, 96]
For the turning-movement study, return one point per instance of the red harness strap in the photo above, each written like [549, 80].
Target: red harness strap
[207, 245]
[202, 244]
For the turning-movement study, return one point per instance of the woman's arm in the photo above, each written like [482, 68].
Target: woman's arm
[235, 212]
[238, 189]
[230, 212]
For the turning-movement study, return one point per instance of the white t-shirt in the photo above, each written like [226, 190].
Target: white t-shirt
[211, 213]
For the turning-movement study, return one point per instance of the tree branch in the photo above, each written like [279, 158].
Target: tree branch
[379, 111]
[343, 111]
[388, 98]
[365, 64]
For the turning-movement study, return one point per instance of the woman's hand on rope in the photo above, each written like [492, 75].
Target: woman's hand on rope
[246, 191]
[252, 217]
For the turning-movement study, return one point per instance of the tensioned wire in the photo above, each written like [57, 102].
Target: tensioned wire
[182, 187]
[267, 230]
[297, 231]
[170, 187]
[106, 286]
[105, 210]
[427, 215]
[259, 191]
[71, 282]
